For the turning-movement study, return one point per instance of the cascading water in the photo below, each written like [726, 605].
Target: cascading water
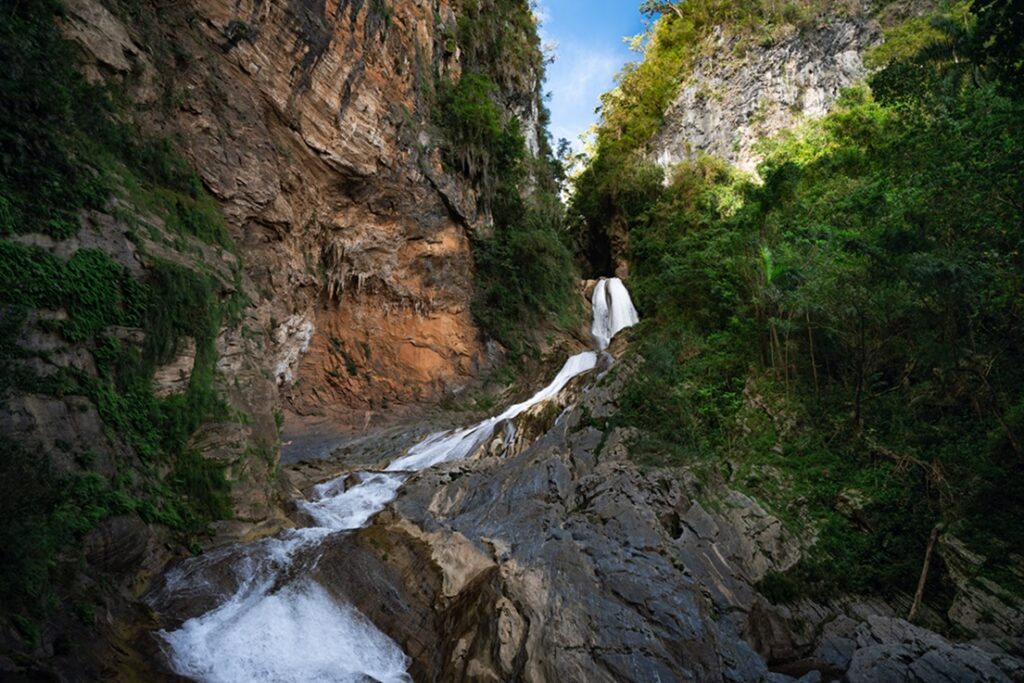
[277, 625]
[613, 311]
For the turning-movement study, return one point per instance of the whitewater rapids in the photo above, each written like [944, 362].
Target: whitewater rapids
[279, 626]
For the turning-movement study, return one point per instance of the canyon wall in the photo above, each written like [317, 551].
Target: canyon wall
[341, 286]
[312, 124]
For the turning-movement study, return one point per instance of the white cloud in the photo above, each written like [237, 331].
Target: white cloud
[577, 79]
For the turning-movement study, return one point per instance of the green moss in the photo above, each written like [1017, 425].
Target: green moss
[92, 290]
[65, 146]
[186, 209]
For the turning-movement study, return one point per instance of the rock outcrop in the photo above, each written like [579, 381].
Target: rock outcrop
[739, 94]
[307, 121]
[311, 124]
[556, 558]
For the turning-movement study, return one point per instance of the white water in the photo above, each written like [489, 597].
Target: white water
[613, 311]
[266, 633]
[298, 633]
[454, 446]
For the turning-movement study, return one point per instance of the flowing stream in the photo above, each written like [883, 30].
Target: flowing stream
[273, 623]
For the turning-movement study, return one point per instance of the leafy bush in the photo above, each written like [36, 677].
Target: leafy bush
[524, 267]
[850, 323]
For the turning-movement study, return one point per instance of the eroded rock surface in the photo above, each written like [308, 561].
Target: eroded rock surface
[307, 121]
[562, 560]
[739, 94]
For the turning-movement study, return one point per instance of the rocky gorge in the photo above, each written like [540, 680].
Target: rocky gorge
[313, 261]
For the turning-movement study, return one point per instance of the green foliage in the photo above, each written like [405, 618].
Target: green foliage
[63, 148]
[478, 143]
[96, 294]
[846, 328]
[634, 111]
[52, 509]
[998, 46]
[525, 271]
[90, 288]
[46, 114]
[524, 266]
[498, 39]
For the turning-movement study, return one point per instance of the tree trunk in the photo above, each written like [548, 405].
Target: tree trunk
[862, 354]
[810, 342]
[919, 595]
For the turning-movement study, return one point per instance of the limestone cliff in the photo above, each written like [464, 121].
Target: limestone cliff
[738, 94]
[746, 87]
[310, 123]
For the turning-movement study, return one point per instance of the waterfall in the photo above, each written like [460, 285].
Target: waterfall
[613, 311]
[279, 626]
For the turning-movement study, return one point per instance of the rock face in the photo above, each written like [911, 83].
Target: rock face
[309, 122]
[551, 557]
[737, 95]
[982, 607]
[893, 650]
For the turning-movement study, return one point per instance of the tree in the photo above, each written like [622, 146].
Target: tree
[998, 39]
[652, 7]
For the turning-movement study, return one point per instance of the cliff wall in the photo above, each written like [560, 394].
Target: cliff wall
[317, 263]
[738, 94]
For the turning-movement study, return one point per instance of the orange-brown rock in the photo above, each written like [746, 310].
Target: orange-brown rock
[309, 121]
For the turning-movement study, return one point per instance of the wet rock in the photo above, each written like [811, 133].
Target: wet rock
[982, 606]
[700, 522]
[592, 582]
[459, 561]
[556, 561]
[119, 544]
[894, 650]
[838, 642]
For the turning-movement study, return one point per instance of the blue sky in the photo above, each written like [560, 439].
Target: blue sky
[588, 35]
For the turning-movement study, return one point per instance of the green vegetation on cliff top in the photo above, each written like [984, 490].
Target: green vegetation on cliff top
[525, 274]
[841, 338]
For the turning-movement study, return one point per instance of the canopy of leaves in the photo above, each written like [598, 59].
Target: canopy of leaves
[851, 322]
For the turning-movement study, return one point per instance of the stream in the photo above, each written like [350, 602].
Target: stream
[271, 622]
